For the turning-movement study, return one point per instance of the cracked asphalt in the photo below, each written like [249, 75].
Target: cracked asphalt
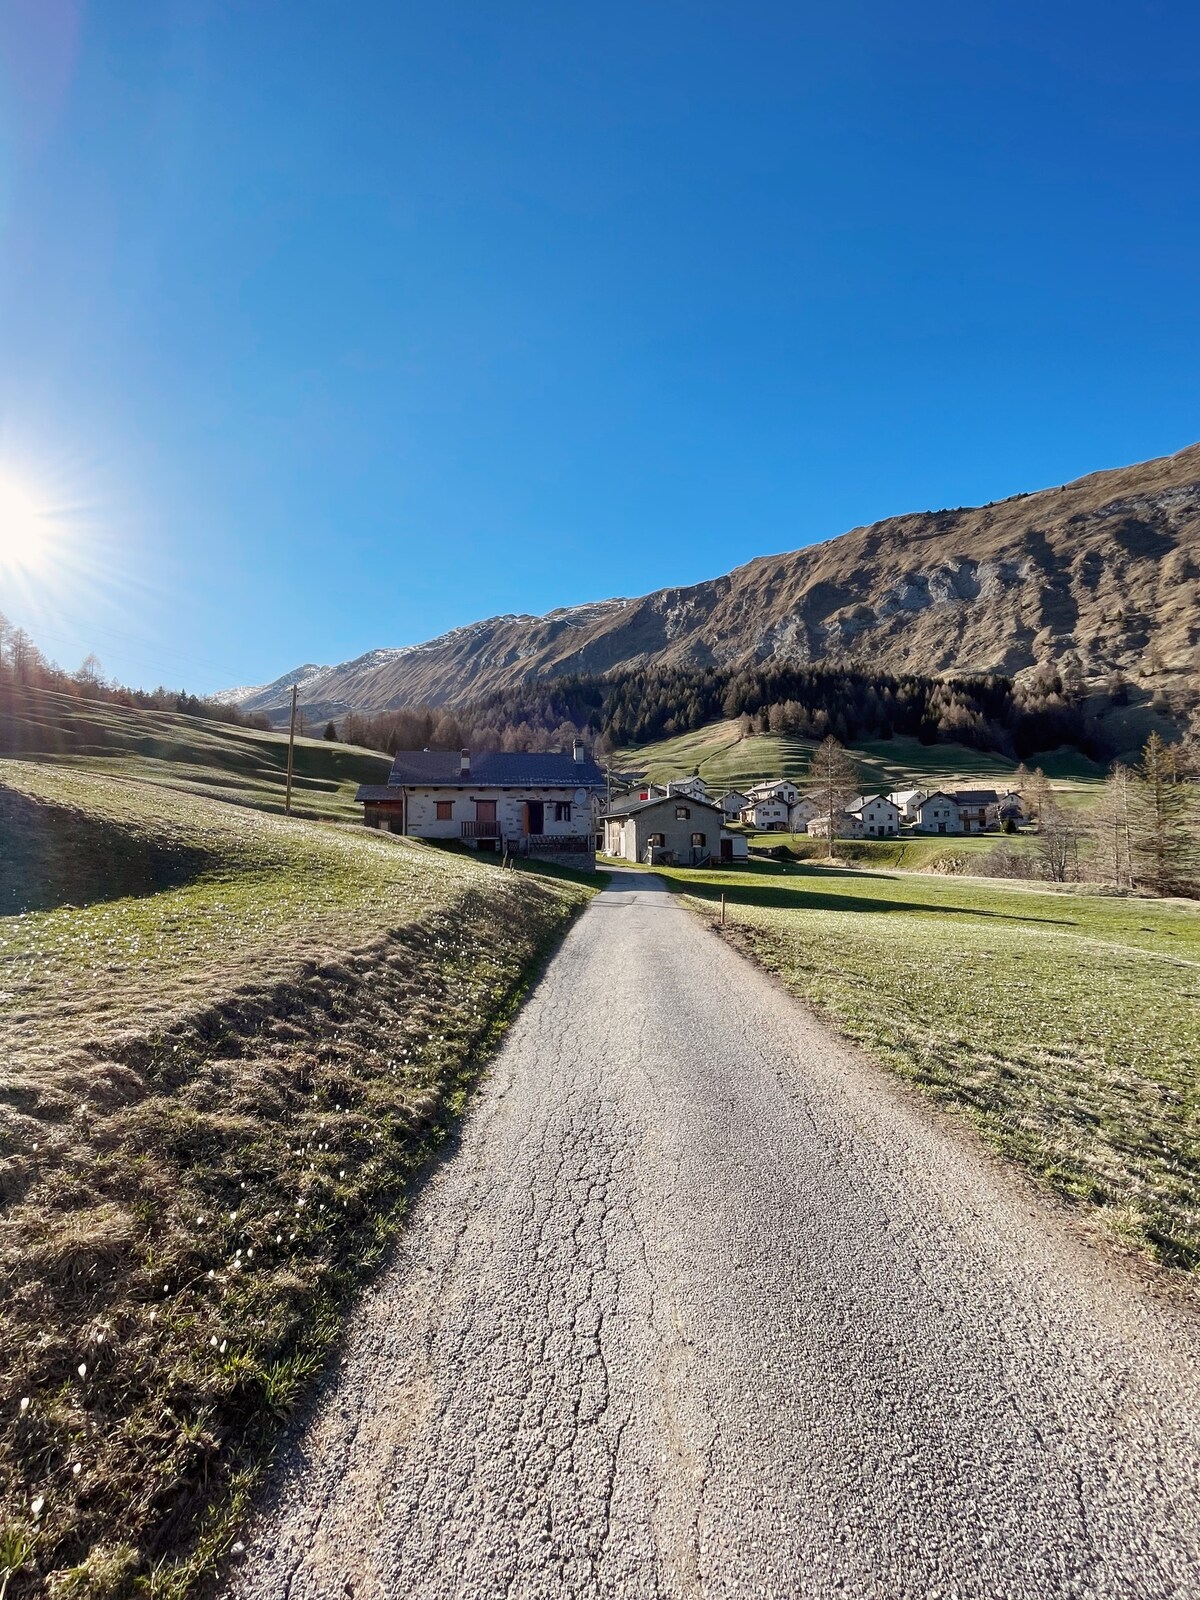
[704, 1304]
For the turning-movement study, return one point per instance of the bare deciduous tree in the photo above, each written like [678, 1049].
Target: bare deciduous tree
[832, 781]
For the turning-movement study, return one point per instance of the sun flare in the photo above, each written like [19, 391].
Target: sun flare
[24, 529]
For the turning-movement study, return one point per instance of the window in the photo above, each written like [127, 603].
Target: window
[659, 839]
[682, 813]
[698, 839]
[562, 811]
[445, 810]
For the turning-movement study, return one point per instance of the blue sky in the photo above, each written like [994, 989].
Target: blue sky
[328, 326]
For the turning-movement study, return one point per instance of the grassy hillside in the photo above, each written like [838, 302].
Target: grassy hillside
[221, 1073]
[1065, 1025]
[728, 759]
[913, 853]
[215, 758]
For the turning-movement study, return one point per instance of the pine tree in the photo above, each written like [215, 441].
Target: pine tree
[330, 731]
[1112, 826]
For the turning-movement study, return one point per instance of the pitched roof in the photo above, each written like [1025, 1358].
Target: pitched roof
[861, 800]
[626, 808]
[976, 797]
[935, 794]
[495, 769]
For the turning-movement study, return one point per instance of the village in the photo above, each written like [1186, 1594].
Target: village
[562, 805]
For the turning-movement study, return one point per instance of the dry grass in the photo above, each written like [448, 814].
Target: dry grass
[215, 1101]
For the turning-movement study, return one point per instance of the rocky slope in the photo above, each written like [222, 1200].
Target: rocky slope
[1106, 568]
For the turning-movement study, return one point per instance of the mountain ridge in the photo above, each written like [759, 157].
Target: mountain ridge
[1103, 571]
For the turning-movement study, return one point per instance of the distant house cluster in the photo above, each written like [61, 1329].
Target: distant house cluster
[778, 806]
[560, 805]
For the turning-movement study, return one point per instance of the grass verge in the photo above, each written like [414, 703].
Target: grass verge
[216, 1099]
[1065, 1025]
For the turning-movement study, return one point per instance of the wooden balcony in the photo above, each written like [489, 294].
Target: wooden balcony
[480, 830]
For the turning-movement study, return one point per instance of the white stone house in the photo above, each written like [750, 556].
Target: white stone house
[846, 826]
[880, 817]
[802, 813]
[675, 830]
[733, 803]
[907, 802]
[978, 809]
[695, 787]
[538, 803]
[775, 789]
[768, 816]
[938, 813]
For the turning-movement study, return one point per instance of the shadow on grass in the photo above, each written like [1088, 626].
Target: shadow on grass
[789, 895]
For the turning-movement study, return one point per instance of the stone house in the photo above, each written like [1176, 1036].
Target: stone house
[775, 789]
[846, 826]
[768, 815]
[537, 804]
[802, 813]
[694, 787]
[907, 802]
[672, 831]
[880, 816]
[733, 803]
[938, 813]
[978, 809]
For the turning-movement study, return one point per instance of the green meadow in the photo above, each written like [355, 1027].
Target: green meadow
[728, 759]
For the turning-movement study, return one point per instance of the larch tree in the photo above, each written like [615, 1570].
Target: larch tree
[832, 781]
[1112, 827]
[1164, 817]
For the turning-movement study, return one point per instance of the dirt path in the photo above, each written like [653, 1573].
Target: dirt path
[703, 1305]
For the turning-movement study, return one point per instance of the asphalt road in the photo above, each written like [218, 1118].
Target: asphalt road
[704, 1304]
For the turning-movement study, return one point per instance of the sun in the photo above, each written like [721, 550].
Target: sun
[24, 529]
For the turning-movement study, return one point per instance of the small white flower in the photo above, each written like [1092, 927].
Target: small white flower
[212, 1272]
[36, 1505]
[233, 1216]
[224, 1345]
[238, 1548]
[76, 1470]
[342, 1173]
[24, 1405]
[82, 1369]
[199, 1222]
[249, 1253]
[213, 1341]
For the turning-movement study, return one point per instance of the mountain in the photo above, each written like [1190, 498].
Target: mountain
[1104, 571]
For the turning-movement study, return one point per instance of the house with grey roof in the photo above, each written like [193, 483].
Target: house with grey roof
[535, 803]
[675, 830]
[979, 809]
[879, 815]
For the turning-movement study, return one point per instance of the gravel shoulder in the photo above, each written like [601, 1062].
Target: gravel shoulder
[702, 1304]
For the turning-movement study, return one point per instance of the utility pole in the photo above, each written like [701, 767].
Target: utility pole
[287, 804]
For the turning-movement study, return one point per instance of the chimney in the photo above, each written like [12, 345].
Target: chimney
[464, 763]
[577, 749]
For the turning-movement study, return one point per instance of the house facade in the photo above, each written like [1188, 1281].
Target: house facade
[694, 787]
[675, 830]
[769, 816]
[733, 803]
[536, 804]
[775, 789]
[802, 813]
[938, 813]
[880, 817]
[907, 802]
[978, 809]
[845, 826]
